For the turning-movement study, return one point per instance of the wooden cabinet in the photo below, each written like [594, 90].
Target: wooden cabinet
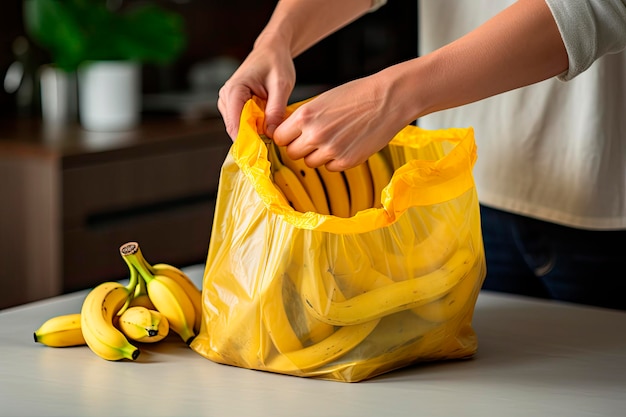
[71, 197]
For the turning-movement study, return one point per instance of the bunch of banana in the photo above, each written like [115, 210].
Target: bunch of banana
[170, 291]
[288, 183]
[309, 178]
[316, 318]
[319, 190]
[157, 297]
[374, 321]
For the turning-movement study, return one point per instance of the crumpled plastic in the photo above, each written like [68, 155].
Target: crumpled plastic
[344, 299]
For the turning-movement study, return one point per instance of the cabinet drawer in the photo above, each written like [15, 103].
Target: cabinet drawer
[178, 235]
[140, 183]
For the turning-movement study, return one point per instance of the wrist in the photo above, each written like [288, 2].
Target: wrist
[271, 40]
[404, 91]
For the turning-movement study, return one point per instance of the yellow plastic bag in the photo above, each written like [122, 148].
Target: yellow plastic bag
[344, 299]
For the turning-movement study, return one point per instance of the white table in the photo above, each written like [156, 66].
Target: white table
[535, 358]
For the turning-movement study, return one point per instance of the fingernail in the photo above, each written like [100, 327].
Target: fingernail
[270, 129]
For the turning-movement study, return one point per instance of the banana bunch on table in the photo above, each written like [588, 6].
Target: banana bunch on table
[115, 319]
[319, 190]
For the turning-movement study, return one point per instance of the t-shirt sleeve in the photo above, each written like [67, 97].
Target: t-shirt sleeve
[377, 4]
[590, 29]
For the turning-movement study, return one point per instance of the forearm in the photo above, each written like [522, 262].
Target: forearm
[299, 24]
[518, 47]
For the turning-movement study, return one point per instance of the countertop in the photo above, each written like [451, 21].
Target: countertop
[535, 358]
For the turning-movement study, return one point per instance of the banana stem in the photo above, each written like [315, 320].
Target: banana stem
[133, 281]
[145, 263]
[131, 254]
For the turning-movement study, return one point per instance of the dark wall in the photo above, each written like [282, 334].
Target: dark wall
[229, 27]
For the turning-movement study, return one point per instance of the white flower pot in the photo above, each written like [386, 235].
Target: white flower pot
[109, 95]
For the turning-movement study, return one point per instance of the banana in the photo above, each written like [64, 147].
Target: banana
[310, 329]
[397, 155]
[97, 314]
[381, 173]
[172, 301]
[334, 346]
[61, 331]
[360, 188]
[194, 293]
[462, 296]
[399, 296]
[143, 325]
[309, 178]
[361, 281]
[439, 310]
[275, 317]
[389, 346]
[288, 183]
[336, 190]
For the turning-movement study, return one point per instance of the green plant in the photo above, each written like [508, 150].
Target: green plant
[75, 31]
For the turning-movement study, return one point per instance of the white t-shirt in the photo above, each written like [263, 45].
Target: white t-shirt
[555, 150]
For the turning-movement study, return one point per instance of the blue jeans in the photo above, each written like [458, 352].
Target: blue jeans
[541, 259]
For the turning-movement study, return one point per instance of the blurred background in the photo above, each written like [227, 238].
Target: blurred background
[72, 195]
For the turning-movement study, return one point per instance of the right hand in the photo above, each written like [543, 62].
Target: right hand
[268, 73]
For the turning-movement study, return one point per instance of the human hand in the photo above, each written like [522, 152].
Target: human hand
[342, 127]
[268, 73]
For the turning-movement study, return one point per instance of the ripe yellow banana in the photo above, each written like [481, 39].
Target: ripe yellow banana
[397, 155]
[172, 301]
[309, 178]
[143, 325]
[381, 172]
[309, 328]
[389, 346]
[336, 191]
[194, 293]
[361, 281]
[360, 188]
[275, 317]
[462, 296]
[288, 183]
[167, 295]
[99, 308]
[61, 331]
[334, 346]
[399, 296]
